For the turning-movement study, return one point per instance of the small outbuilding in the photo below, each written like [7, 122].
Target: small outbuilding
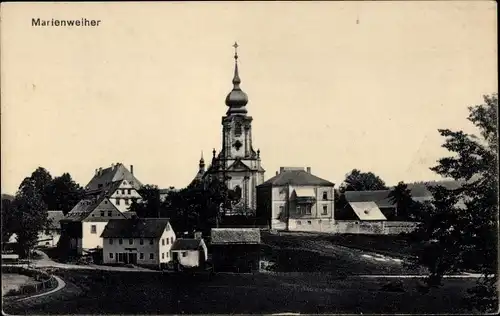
[189, 253]
[235, 249]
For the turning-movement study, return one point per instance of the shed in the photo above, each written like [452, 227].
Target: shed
[189, 252]
[235, 249]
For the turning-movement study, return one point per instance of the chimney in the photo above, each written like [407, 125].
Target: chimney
[100, 170]
[277, 172]
[282, 169]
[97, 172]
[132, 169]
[308, 169]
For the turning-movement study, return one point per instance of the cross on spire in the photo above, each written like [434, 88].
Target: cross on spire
[236, 50]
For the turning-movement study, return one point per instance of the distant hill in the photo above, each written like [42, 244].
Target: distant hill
[7, 197]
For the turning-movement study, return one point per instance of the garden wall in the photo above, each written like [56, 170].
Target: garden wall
[353, 227]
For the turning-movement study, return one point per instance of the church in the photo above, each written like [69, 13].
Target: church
[237, 162]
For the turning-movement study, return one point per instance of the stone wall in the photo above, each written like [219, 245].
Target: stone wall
[352, 227]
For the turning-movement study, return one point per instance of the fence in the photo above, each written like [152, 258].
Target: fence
[44, 280]
[353, 227]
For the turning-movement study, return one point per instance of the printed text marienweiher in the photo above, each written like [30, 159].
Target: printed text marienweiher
[83, 22]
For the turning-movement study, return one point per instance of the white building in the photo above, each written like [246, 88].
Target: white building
[52, 232]
[140, 241]
[83, 225]
[118, 183]
[295, 199]
[190, 252]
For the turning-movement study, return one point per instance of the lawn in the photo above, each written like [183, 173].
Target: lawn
[13, 281]
[106, 292]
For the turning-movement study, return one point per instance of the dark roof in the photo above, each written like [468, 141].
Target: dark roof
[83, 209]
[129, 214]
[380, 197]
[296, 177]
[110, 175]
[186, 244]
[222, 236]
[135, 228]
[54, 218]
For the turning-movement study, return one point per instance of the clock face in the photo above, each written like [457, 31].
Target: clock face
[237, 144]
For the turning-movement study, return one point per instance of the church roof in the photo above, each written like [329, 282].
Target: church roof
[296, 177]
[236, 99]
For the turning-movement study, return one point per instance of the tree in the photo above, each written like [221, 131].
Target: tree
[150, 204]
[460, 225]
[30, 212]
[62, 193]
[401, 196]
[8, 219]
[363, 181]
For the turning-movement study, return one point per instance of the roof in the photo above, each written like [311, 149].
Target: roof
[186, 244]
[380, 197]
[105, 177]
[223, 236]
[83, 209]
[135, 228]
[296, 177]
[129, 214]
[367, 211]
[54, 218]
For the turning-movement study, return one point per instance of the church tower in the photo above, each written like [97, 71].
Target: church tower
[237, 160]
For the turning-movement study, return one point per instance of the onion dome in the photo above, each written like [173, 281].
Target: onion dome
[236, 100]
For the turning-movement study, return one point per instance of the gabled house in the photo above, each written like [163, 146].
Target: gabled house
[235, 249]
[49, 237]
[139, 241]
[81, 228]
[295, 199]
[117, 183]
[190, 252]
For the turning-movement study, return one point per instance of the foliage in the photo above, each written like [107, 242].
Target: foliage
[30, 212]
[62, 193]
[459, 226]
[400, 195]
[363, 181]
[7, 219]
[150, 203]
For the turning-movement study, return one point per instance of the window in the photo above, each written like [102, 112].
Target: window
[126, 201]
[325, 195]
[151, 256]
[163, 255]
[184, 253]
[93, 229]
[129, 191]
[130, 241]
[298, 222]
[151, 241]
[172, 240]
[110, 213]
[99, 185]
[111, 241]
[325, 210]
[105, 201]
[167, 254]
[309, 222]
[141, 256]
[308, 209]
[299, 209]
[120, 241]
[237, 129]
[168, 241]
[141, 241]
[282, 210]
[111, 255]
[117, 201]
[123, 191]
[102, 213]
[163, 242]
[120, 257]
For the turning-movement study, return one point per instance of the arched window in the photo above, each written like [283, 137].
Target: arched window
[237, 129]
[237, 192]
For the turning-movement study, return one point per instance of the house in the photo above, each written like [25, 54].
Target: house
[190, 252]
[295, 198]
[81, 228]
[140, 241]
[50, 235]
[117, 183]
[235, 249]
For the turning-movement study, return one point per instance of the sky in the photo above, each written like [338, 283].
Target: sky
[332, 85]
